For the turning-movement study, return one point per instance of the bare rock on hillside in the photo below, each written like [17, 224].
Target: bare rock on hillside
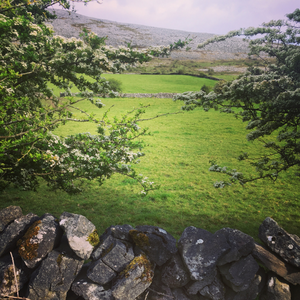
[70, 24]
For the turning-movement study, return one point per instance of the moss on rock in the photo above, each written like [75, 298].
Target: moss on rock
[139, 238]
[93, 238]
[27, 249]
[141, 261]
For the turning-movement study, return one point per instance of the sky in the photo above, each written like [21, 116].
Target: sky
[206, 16]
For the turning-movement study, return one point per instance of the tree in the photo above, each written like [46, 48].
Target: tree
[30, 58]
[267, 99]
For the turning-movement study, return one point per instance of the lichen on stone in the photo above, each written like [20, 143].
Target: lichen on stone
[141, 261]
[93, 238]
[8, 285]
[27, 249]
[139, 238]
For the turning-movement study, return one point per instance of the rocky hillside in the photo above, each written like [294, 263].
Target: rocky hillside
[70, 25]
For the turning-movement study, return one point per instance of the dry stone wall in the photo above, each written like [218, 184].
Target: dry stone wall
[56, 259]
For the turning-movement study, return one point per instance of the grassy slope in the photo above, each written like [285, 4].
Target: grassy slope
[160, 83]
[177, 156]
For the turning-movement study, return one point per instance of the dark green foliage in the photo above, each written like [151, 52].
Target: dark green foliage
[31, 57]
[267, 99]
[115, 85]
[205, 89]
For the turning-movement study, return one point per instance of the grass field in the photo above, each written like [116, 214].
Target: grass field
[160, 83]
[177, 157]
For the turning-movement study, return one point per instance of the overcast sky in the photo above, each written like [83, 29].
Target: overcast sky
[207, 16]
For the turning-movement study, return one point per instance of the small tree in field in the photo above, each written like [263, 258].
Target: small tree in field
[268, 100]
[31, 57]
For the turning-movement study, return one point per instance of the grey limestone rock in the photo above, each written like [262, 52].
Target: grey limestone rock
[174, 273]
[214, 291]
[194, 287]
[100, 273]
[240, 244]
[9, 214]
[106, 244]
[277, 265]
[159, 291]
[239, 275]
[14, 231]
[78, 230]
[201, 251]
[278, 240]
[276, 289]
[120, 232]
[179, 294]
[41, 237]
[252, 292]
[119, 256]
[134, 280]
[91, 291]
[53, 278]
[157, 243]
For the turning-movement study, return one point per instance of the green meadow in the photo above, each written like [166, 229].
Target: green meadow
[177, 156]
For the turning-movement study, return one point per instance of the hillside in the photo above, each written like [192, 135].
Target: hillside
[69, 24]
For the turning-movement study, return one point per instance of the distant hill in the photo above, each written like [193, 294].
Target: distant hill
[69, 24]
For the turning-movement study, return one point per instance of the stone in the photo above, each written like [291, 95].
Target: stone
[8, 215]
[214, 291]
[200, 251]
[53, 278]
[100, 273]
[134, 280]
[174, 273]
[279, 241]
[8, 285]
[239, 275]
[276, 289]
[194, 287]
[241, 244]
[41, 237]
[157, 243]
[118, 256]
[120, 232]
[114, 253]
[159, 291]
[179, 294]
[106, 244]
[278, 266]
[252, 292]
[14, 231]
[91, 291]
[80, 233]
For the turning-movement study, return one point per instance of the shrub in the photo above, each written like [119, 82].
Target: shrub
[115, 85]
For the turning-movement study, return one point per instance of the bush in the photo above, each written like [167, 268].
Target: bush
[115, 85]
[205, 89]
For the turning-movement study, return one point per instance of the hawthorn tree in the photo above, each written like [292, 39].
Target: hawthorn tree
[31, 57]
[267, 99]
